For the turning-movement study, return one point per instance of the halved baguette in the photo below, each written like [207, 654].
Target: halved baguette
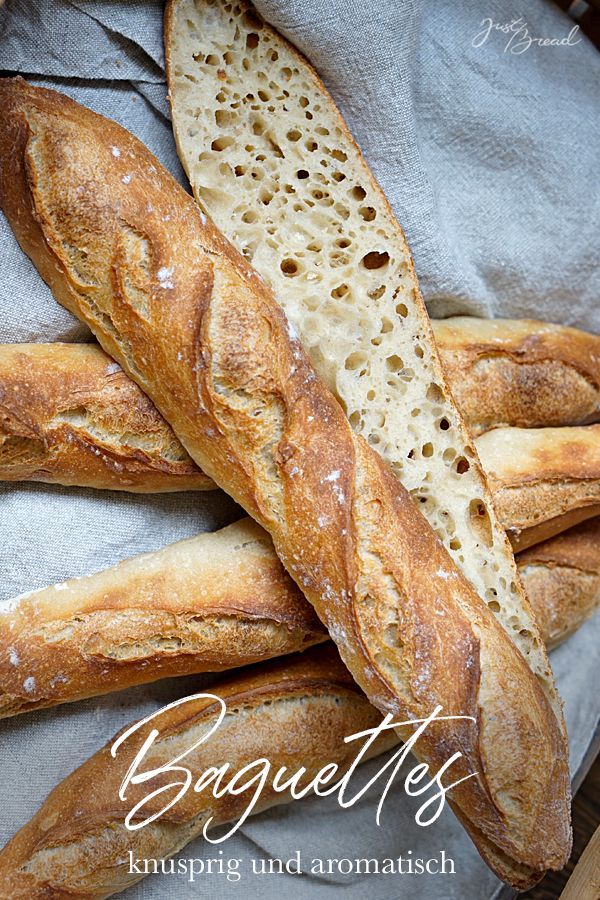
[271, 161]
[70, 415]
[200, 333]
[562, 580]
[544, 480]
[524, 373]
[208, 603]
[294, 712]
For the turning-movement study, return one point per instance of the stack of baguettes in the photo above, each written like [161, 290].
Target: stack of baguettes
[419, 619]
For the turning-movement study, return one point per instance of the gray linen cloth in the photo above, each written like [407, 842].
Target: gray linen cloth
[488, 159]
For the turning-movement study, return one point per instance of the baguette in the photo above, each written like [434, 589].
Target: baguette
[520, 372]
[271, 160]
[562, 580]
[295, 712]
[69, 415]
[214, 602]
[200, 333]
[208, 603]
[544, 480]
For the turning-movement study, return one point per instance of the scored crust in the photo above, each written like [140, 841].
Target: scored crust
[272, 162]
[544, 480]
[70, 415]
[205, 604]
[520, 372]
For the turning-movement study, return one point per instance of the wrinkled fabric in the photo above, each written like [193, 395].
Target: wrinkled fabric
[487, 160]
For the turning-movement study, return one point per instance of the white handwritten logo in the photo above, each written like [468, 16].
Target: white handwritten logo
[520, 38]
[253, 777]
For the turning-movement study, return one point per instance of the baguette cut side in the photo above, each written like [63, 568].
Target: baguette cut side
[271, 161]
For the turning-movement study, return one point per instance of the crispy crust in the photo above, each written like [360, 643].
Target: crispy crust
[562, 580]
[522, 372]
[544, 480]
[69, 415]
[295, 712]
[209, 603]
[199, 332]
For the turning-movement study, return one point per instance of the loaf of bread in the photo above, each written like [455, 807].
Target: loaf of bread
[215, 602]
[208, 603]
[544, 480]
[272, 162]
[520, 372]
[70, 415]
[562, 580]
[294, 712]
[125, 249]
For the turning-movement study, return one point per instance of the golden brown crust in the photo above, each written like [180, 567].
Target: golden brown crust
[195, 327]
[295, 712]
[208, 603]
[70, 415]
[562, 580]
[544, 480]
[522, 372]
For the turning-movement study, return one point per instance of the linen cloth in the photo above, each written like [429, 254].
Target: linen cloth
[488, 159]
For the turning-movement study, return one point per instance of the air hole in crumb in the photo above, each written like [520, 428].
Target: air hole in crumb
[252, 41]
[375, 260]
[394, 363]
[340, 291]
[301, 173]
[415, 412]
[455, 544]
[461, 465]
[480, 521]
[294, 135]
[367, 213]
[402, 310]
[444, 424]
[289, 268]
[359, 193]
[355, 361]
[376, 293]
[286, 73]
[434, 394]
[249, 216]
[222, 143]
[427, 450]
[303, 102]
[239, 171]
